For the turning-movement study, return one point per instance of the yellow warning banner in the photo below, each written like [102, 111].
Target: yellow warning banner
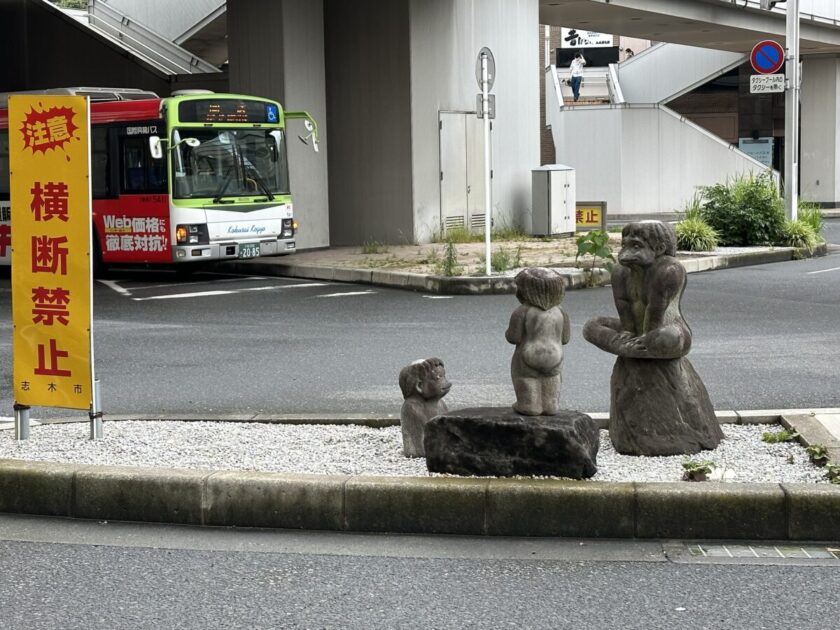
[51, 239]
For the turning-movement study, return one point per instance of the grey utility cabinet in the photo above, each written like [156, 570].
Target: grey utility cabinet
[553, 200]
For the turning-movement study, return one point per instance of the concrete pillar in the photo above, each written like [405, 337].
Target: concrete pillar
[369, 98]
[276, 50]
[446, 36]
[820, 136]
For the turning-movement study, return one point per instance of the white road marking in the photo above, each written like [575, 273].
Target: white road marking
[810, 273]
[438, 297]
[289, 286]
[176, 296]
[349, 293]
[186, 284]
[115, 286]
[231, 292]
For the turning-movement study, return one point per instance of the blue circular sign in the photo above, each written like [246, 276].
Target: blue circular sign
[767, 56]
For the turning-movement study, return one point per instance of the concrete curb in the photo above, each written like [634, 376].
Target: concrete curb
[429, 505]
[495, 285]
[419, 505]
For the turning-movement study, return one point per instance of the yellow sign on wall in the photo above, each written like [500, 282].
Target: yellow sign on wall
[51, 240]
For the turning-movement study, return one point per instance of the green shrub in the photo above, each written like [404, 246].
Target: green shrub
[746, 211]
[811, 214]
[374, 247]
[697, 470]
[798, 233]
[695, 235]
[461, 234]
[448, 265]
[693, 207]
[503, 259]
[508, 233]
[818, 454]
[785, 435]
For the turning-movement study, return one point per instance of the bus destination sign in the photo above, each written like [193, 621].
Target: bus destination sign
[228, 111]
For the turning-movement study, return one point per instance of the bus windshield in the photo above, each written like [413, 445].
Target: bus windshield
[221, 163]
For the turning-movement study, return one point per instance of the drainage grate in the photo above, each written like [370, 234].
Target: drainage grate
[777, 552]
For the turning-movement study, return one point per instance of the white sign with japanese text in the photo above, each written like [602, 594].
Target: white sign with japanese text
[767, 83]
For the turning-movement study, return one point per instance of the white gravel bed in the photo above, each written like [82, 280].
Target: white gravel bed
[354, 450]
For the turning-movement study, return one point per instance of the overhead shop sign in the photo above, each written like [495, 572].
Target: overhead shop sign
[51, 269]
[575, 38]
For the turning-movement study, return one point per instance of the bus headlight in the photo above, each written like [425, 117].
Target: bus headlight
[288, 228]
[192, 234]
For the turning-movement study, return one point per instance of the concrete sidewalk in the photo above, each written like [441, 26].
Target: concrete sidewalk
[440, 505]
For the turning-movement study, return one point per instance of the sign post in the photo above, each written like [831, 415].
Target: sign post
[486, 75]
[792, 110]
[767, 58]
[51, 255]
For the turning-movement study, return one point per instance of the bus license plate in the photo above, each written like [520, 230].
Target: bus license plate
[249, 250]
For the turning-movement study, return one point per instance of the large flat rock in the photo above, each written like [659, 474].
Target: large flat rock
[496, 441]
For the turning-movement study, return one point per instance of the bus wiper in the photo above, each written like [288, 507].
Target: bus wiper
[248, 168]
[261, 183]
[223, 187]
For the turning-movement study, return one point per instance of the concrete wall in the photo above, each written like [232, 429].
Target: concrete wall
[446, 36]
[277, 51]
[369, 91]
[45, 48]
[820, 140]
[642, 159]
[664, 71]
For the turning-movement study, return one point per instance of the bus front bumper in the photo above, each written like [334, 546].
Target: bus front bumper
[227, 250]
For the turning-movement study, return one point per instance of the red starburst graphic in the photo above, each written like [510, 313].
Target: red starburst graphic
[48, 129]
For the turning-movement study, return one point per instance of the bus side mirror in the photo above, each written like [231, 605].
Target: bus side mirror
[155, 147]
[308, 124]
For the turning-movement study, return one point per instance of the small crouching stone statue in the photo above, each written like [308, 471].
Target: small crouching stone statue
[540, 328]
[423, 385]
[658, 403]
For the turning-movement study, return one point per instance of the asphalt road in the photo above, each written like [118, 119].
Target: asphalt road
[764, 337]
[65, 574]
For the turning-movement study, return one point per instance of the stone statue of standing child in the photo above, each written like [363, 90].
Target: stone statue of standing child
[540, 328]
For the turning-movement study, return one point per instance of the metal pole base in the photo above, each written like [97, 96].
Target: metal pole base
[95, 414]
[21, 422]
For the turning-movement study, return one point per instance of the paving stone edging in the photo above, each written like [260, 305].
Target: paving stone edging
[430, 505]
[494, 285]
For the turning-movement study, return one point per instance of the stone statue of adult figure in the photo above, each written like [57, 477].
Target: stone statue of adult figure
[658, 403]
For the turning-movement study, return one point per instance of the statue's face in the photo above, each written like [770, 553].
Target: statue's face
[436, 385]
[635, 252]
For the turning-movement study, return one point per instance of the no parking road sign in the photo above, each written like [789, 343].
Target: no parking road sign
[767, 56]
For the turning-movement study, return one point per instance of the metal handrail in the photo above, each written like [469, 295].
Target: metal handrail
[174, 58]
[616, 95]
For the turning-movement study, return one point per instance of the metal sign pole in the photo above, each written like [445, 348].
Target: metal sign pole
[21, 422]
[792, 110]
[485, 106]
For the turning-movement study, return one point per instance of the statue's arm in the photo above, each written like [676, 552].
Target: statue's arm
[666, 286]
[516, 327]
[567, 327]
[621, 295]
